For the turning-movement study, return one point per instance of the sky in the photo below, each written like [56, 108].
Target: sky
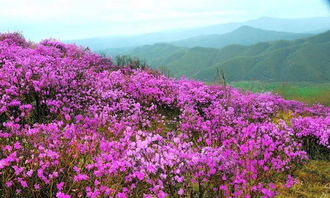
[76, 19]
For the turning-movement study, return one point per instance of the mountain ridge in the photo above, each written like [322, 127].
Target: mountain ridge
[244, 35]
[304, 59]
[285, 25]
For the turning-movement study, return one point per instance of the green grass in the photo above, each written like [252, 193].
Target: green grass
[313, 181]
[309, 93]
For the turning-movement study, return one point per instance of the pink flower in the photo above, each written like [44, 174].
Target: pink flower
[17, 145]
[80, 177]
[9, 184]
[272, 186]
[60, 186]
[139, 175]
[29, 173]
[62, 195]
[151, 168]
[37, 186]
[18, 191]
[7, 147]
[121, 195]
[3, 163]
[147, 196]
[67, 117]
[22, 182]
[161, 194]
[290, 182]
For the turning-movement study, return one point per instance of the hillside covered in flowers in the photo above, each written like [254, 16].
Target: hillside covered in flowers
[73, 124]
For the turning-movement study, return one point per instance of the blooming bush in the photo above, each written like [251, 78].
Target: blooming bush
[72, 124]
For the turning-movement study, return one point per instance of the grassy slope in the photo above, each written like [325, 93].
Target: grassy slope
[309, 93]
[313, 181]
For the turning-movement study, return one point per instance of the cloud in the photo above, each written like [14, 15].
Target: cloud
[80, 18]
[123, 10]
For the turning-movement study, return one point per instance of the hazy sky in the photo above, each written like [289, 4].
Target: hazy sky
[74, 19]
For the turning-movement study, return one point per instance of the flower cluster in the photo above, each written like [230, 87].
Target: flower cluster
[72, 124]
[317, 127]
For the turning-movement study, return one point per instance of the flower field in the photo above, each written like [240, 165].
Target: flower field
[73, 124]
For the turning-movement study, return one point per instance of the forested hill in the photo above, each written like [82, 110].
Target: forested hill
[304, 59]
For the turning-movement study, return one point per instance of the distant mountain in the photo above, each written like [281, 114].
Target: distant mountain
[157, 54]
[304, 59]
[296, 25]
[308, 25]
[245, 35]
[115, 51]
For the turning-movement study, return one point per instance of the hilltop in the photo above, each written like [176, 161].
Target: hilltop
[73, 124]
[244, 35]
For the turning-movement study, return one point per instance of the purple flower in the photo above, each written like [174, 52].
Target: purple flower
[9, 184]
[139, 175]
[80, 177]
[62, 195]
[181, 191]
[161, 194]
[17, 145]
[37, 187]
[60, 186]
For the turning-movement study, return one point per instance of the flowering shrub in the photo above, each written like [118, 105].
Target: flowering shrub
[72, 124]
[315, 133]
